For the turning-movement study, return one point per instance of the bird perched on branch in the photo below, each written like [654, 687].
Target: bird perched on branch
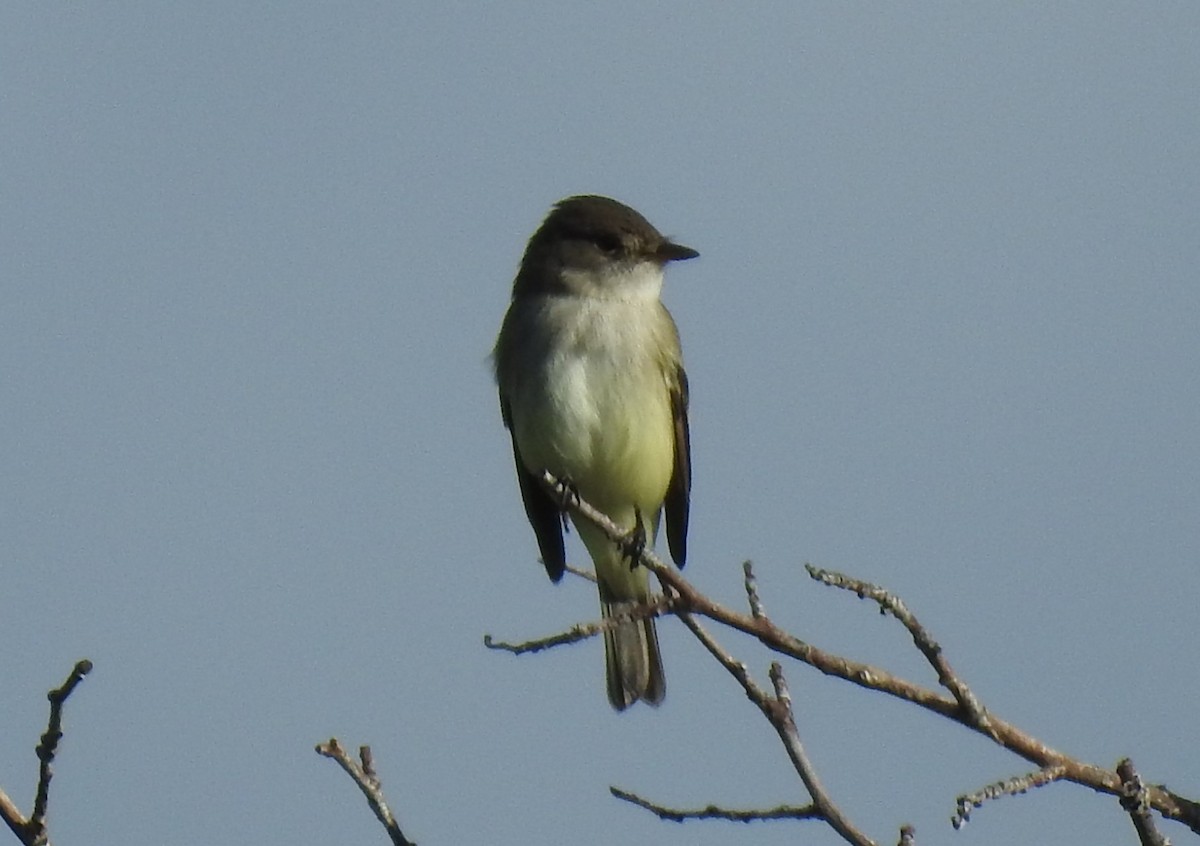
[592, 389]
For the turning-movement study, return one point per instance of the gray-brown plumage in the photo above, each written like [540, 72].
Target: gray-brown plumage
[592, 388]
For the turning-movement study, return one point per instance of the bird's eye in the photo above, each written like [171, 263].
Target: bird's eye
[609, 243]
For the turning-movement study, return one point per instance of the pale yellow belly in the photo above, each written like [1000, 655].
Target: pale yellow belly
[607, 428]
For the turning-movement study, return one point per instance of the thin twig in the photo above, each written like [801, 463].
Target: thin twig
[783, 719]
[889, 603]
[33, 831]
[13, 817]
[735, 667]
[778, 711]
[756, 607]
[581, 572]
[577, 632]
[1008, 787]
[582, 631]
[715, 812]
[363, 774]
[1133, 800]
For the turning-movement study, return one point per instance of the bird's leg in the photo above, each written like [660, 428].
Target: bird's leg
[634, 542]
[568, 496]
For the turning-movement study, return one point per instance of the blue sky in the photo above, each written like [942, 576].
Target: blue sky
[942, 335]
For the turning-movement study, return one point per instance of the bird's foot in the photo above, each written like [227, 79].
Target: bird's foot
[633, 544]
[567, 496]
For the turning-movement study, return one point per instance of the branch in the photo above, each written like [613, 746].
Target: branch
[972, 711]
[778, 711]
[33, 831]
[368, 782]
[1134, 801]
[1008, 787]
[577, 632]
[961, 706]
[581, 631]
[785, 725]
[713, 812]
[13, 817]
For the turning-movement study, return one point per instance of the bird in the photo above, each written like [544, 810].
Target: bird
[592, 388]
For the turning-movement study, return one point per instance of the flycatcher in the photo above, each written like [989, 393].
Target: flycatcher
[592, 389]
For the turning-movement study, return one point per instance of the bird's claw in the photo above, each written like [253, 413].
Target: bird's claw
[634, 542]
[567, 495]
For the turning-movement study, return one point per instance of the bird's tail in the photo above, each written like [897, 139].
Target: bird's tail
[632, 660]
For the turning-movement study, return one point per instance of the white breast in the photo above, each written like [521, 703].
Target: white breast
[599, 411]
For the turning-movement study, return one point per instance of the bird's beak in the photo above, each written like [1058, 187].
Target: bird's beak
[669, 251]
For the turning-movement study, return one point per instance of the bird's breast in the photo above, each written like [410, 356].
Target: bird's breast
[599, 412]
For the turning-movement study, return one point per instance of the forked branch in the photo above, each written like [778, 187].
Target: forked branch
[363, 774]
[958, 703]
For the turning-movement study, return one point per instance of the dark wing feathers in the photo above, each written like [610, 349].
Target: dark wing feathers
[680, 489]
[540, 508]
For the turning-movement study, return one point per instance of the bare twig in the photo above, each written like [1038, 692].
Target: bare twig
[582, 572]
[1135, 803]
[961, 706]
[778, 711]
[582, 631]
[578, 632]
[33, 831]
[972, 711]
[363, 774]
[48, 747]
[756, 607]
[714, 812]
[13, 817]
[735, 667]
[785, 724]
[1008, 787]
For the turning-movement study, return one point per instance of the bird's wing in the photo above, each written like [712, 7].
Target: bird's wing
[543, 513]
[680, 489]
